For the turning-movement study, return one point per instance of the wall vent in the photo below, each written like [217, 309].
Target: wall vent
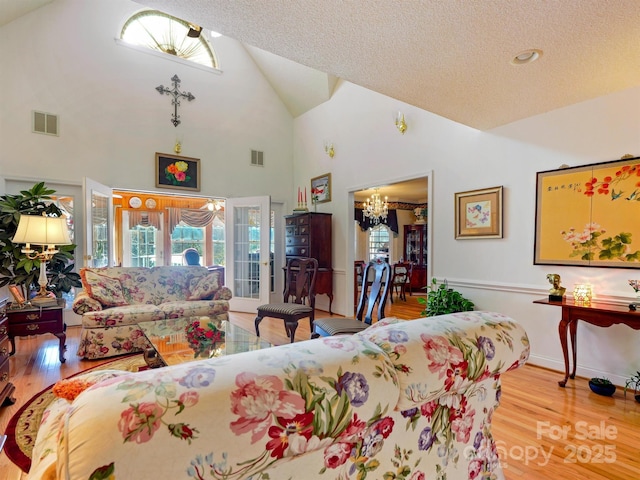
[46, 123]
[257, 158]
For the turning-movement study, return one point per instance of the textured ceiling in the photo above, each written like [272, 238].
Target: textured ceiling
[449, 57]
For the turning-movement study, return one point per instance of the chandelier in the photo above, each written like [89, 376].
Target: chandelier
[375, 209]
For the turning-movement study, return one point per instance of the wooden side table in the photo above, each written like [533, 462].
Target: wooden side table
[36, 321]
[6, 387]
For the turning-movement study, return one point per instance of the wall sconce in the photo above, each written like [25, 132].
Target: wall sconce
[401, 125]
[328, 148]
[582, 294]
[177, 147]
[194, 30]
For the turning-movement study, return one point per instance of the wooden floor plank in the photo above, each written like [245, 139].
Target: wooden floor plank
[533, 407]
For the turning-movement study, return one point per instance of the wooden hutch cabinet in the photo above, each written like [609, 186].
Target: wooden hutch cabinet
[309, 235]
[415, 252]
[6, 387]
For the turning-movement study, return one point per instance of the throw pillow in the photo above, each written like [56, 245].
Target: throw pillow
[203, 288]
[108, 291]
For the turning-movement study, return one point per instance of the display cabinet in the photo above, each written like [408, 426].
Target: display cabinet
[6, 387]
[415, 252]
[309, 235]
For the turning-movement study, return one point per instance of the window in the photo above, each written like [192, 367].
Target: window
[218, 241]
[164, 33]
[379, 243]
[143, 246]
[184, 237]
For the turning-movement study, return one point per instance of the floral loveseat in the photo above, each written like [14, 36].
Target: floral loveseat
[400, 400]
[115, 299]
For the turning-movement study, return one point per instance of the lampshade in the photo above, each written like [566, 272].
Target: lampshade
[40, 230]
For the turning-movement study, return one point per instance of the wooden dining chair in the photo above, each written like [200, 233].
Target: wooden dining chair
[300, 285]
[401, 280]
[375, 289]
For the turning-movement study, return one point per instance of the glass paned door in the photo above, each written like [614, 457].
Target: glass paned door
[98, 218]
[248, 240]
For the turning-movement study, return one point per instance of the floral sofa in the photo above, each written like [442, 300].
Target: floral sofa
[115, 299]
[407, 400]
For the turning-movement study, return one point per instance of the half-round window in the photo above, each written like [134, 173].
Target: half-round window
[164, 33]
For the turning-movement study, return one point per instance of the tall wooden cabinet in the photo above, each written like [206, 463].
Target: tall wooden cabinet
[6, 387]
[309, 235]
[415, 252]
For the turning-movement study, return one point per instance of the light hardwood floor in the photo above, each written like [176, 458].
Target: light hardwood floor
[542, 431]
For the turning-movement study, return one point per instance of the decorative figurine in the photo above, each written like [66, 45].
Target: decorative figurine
[556, 293]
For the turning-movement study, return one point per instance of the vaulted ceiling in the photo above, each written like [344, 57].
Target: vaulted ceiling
[452, 58]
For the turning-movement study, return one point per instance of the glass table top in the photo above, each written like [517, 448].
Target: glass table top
[169, 338]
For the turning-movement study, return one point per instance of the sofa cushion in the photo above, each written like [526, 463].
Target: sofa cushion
[126, 315]
[203, 288]
[194, 307]
[107, 290]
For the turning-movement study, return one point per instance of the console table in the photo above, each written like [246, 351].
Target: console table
[599, 315]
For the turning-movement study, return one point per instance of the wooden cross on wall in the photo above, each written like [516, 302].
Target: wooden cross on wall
[177, 95]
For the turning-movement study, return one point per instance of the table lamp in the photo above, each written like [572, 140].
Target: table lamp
[45, 231]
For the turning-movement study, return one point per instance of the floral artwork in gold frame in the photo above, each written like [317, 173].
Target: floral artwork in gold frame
[174, 171]
[588, 215]
[321, 189]
[479, 213]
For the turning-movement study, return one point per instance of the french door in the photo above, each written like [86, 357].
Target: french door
[248, 228]
[99, 226]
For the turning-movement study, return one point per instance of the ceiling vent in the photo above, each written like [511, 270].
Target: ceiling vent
[257, 158]
[46, 123]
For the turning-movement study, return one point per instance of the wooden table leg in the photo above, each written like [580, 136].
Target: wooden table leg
[563, 326]
[573, 334]
[63, 338]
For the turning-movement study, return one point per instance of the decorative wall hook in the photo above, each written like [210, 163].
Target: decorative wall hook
[177, 95]
[401, 125]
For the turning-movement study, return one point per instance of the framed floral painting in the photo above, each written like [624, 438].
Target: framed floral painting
[321, 189]
[588, 215]
[173, 171]
[479, 213]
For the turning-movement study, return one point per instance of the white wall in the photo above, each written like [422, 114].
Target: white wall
[497, 274]
[63, 59]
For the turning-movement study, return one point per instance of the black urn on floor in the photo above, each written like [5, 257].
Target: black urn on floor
[602, 386]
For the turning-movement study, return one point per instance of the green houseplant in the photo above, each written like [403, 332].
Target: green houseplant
[602, 386]
[15, 267]
[633, 383]
[442, 299]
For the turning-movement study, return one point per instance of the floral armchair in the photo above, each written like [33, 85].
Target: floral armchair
[401, 400]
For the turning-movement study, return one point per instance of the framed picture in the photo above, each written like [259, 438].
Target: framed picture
[588, 215]
[321, 189]
[17, 294]
[479, 213]
[173, 171]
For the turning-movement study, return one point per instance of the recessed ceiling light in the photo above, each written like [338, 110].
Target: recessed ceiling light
[526, 56]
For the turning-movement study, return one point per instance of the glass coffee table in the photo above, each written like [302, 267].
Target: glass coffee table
[170, 345]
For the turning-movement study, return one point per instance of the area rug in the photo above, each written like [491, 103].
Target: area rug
[23, 426]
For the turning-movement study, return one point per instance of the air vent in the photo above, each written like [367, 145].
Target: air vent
[46, 123]
[257, 158]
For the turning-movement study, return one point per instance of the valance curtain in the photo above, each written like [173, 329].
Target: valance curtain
[144, 219]
[192, 217]
[365, 222]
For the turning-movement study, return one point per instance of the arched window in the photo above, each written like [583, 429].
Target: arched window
[164, 33]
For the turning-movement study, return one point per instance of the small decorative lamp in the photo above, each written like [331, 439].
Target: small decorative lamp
[582, 294]
[45, 231]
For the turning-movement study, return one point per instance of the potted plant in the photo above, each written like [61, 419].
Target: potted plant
[15, 267]
[602, 386]
[442, 299]
[633, 383]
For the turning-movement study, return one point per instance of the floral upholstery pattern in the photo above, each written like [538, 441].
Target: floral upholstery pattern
[406, 400]
[143, 294]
